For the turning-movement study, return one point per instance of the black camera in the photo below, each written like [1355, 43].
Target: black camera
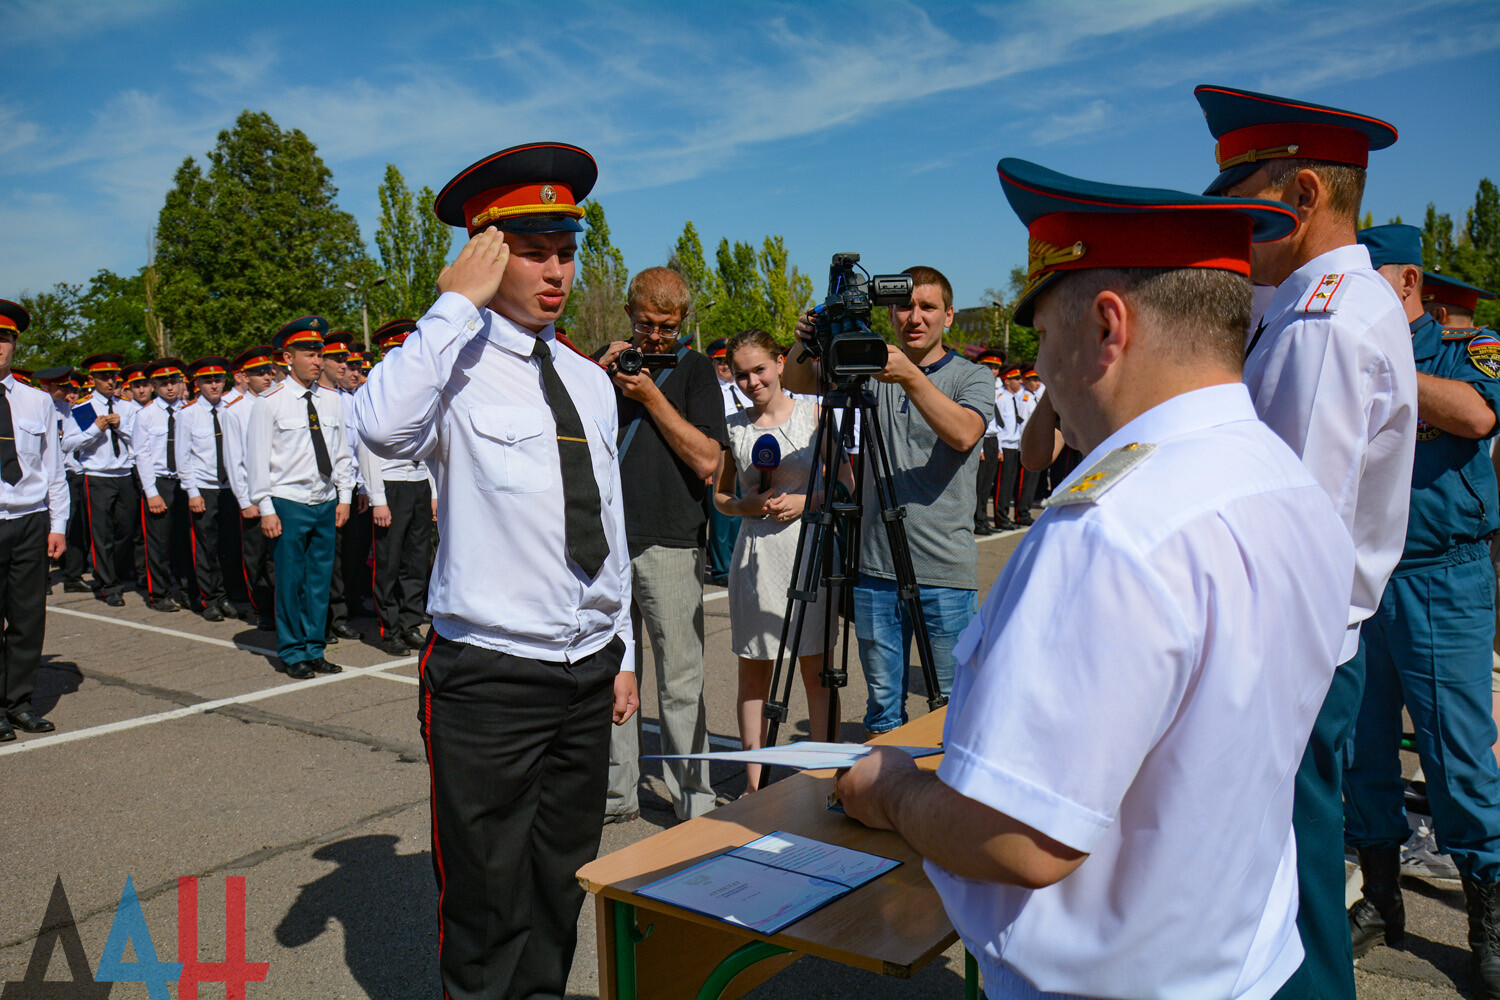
[841, 325]
[632, 361]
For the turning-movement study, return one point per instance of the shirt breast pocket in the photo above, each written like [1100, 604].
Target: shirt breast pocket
[512, 449]
[29, 436]
[295, 422]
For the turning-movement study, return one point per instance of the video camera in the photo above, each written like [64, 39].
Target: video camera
[632, 361]
[841, 325]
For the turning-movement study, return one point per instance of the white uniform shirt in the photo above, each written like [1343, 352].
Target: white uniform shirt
[1139, 685]
[351, 437]
[1008, 412]
[42, 486]
[464, 394]
[199, 463]
[279, 457]
[65, 424]
[234, 421]
[93, 444]
[150, 440]
[1340, 388]
[735, 399]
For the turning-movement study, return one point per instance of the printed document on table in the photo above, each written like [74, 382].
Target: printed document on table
[806, 756]
[769, 883]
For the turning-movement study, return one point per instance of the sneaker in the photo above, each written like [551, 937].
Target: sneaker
[1420, 856]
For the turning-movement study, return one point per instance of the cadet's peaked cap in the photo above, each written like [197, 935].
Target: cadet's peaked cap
[1445, 291]
[258, 356]
[994, 358]
[1252, 128]
[209, 366]
[131, 374]
[534, 188]
[337, 342]
[306, 331]
[1076, 224]
[62, 373]
[165, 368]
[395, 332]
[1030, 373]
[23, 376]
[719, 348]
[103, 364]
[1393, 244]
[1014, 371]
[13, 316]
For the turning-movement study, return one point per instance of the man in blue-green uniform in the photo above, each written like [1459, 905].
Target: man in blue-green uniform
[1428, 644]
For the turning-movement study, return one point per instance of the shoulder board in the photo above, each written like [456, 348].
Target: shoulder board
[1324, 295]
[1462, 333]
[563, 340]
[1484, 352]
[1102, 475]
[273, 390]
[233, 401]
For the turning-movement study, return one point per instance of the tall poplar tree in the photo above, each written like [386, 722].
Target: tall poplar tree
[414, 247]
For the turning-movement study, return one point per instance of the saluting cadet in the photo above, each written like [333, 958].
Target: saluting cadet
[1143, 676]
[33, 519]
[205, 478]
[101, 437]
[401, 506]
[257, 552]
[334, 377]
[1428, 646]
[1330, 369]
[530, 654]
[301, 480]
[159, 456]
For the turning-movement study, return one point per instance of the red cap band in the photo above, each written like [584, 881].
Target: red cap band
[520, 199]
[1332, 143]
[1446, 295]
[6, 323]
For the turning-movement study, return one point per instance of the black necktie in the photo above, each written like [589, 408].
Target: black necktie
[1255, 339]
[114, 435]
[10, 463]
[582, 512]
[320, 447]
[218, 444]
[171, 440]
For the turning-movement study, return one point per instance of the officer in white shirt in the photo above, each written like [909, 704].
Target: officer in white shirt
[33, 520]
[1011, 418]
[723, 528]
[257, 552]
[100, 436]
[334, 377]
[987, 485]
[530, 653]
[1133, 699]
[301, 479]
[205, 479]
[401, 506]
[159, 458]
[1331, 370]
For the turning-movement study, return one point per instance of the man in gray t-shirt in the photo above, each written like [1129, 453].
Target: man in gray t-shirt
[930, 407]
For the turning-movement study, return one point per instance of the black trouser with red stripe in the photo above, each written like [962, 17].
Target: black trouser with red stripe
[23, 608]
[519, 752]
[76, 558]
[989, 468]
[1010, 475]
[258, 567]
[114, 510]
[168, 540]
[403, 556]
[213, 543]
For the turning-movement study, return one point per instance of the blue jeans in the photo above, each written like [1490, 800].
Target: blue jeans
[884, 633]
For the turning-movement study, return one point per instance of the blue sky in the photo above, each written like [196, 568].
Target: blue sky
[872, 127]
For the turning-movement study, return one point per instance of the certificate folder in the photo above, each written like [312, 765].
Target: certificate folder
[769, 883]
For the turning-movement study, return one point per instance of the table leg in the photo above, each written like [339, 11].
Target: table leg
[740, 960]
[627, 935]
[971, 977]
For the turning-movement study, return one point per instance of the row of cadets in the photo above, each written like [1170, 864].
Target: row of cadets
[301, 480]
[101, 436]
[158, 462]
[256, 367]
[33, 520]
[402, 506]
[332, 377]
[205, 479]
[1013, 406]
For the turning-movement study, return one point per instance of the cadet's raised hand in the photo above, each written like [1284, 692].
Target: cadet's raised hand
[477, 271]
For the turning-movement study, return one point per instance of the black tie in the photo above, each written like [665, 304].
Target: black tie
[10, 463]
[1255, 339]
[171, 440]
[218, 444]
[114, 435]
[320, 447]
[582, 511]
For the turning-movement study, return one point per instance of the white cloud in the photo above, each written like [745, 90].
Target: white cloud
[31, 22]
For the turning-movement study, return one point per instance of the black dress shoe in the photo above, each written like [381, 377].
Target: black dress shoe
[29, 722]
[1006, 524]
[266, 624]
[211, 613]
[394, 645]
[413, 638]
[227, 609]
[300, 671]
[1025, 522]
[980, 528]
[114, 600]
[343, 631]
[6, 733]
[163, 604]
[324, 667]
[76, 587]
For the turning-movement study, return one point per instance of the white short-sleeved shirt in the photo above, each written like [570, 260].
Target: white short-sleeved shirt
[1140, 685]
[1333, 376]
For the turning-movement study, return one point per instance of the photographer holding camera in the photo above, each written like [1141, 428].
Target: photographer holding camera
[671, 436]
[931, 406]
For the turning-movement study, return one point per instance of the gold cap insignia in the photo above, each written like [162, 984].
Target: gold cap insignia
[548, 194]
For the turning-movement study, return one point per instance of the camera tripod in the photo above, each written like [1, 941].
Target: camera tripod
[814, 566]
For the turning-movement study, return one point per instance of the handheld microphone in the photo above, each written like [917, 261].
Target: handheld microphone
[766, 456]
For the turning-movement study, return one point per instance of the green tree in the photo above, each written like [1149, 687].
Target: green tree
[1437, 240]
[1367, 221]
[254, 241]
[54, 336]
[595, 313]
[687, 260]
[414, 246]
[787, 291]
[113, 310]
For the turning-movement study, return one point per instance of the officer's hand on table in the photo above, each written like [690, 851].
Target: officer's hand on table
[341, 515]
[382, 515]
[860, 788]
[477, 271]
[627, 698]
[361, 504]
[156, 504]
[56, 545]
[250, 513]
[613, 351]
[898, 367]
[196, 505]
[270, 526]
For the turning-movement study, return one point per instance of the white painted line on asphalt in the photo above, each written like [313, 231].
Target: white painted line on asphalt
[203, 706]
[164, 631]
[999, 534]
[717, 595]
[397, 677]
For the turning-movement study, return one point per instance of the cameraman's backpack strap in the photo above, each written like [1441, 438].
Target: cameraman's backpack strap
[635, 422]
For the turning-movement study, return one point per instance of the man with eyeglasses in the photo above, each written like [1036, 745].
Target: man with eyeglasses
[671, 434]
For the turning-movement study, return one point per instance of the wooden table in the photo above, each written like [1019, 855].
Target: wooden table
[894, 925]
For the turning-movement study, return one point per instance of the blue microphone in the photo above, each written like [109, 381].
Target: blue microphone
[766, 456]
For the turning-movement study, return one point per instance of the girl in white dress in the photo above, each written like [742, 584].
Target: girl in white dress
[766, 548]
